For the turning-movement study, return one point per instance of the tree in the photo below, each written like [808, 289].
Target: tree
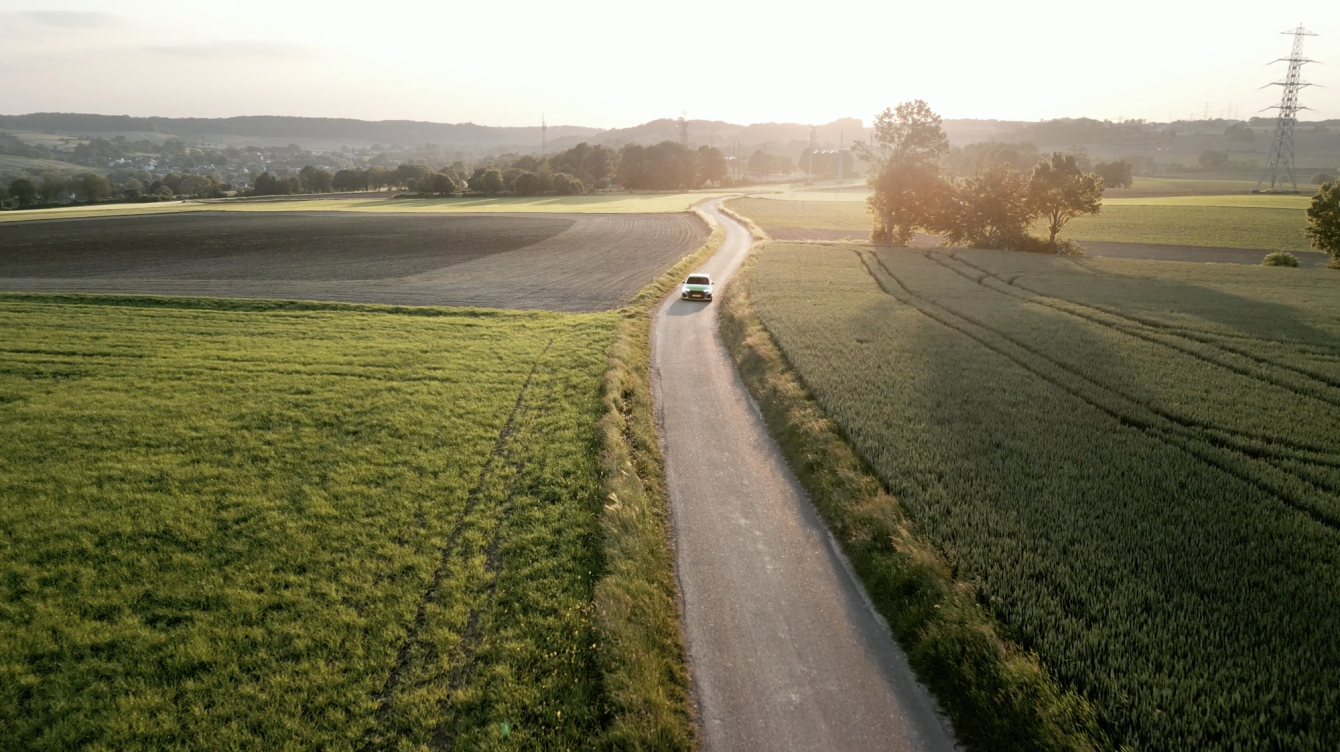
[443, 184]
[527, 184]
[53, 188]
[315, 180]
[1114, 174]
[24, 191]
[989, 209]
[1239, 132]
[567, 185]
[195, 186]
[668, 165]
[492, 182]
[93, 187]
[1323, 221]
[904, 178]
[712, 167]
[349, 180]
[1212, 160]
[1059, 191]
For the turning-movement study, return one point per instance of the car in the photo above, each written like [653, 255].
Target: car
[697, 287]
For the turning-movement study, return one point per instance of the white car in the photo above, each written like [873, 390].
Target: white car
[697, 287]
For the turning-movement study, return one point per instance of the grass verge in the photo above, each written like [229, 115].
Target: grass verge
[998, 696]
[636, 612]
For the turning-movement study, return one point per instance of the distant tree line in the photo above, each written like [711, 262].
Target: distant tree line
[581, 169]
[993, 207]
[62, 188]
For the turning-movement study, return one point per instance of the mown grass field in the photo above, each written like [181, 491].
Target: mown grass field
[233, 525]
[13, 165]
[1135, 464]
[612, 203]
[1216, 226]
[1269, 223]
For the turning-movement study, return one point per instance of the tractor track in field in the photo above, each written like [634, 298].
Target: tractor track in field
[1291, 490]
[1148, 330]
[404, 662]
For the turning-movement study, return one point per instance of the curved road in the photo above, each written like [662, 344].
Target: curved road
[784, 651]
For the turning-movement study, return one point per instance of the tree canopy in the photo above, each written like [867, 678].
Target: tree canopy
[904, 178]
[1059, 191]
[1323, 221]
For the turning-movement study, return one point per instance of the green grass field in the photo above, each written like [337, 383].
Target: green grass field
[1136, 465]
[12, 165]
[613, 203]
[825, 215]
[1272, 223]
[244, 525]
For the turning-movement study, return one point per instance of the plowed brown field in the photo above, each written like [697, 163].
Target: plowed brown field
[572, 262]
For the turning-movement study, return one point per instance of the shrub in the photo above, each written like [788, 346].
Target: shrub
[527, 184]
[1280, 258]
[1322, 178]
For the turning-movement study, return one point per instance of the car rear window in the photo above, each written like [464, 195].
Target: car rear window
[699, 281]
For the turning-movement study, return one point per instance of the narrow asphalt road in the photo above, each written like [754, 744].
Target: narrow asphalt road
[784, 651]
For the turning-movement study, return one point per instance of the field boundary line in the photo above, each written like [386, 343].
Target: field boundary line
[1174, 432]
[637, 602]
[997, 695]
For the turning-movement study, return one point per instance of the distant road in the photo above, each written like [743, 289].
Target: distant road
[784, 653]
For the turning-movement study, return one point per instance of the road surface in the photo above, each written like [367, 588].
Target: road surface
[784, 651]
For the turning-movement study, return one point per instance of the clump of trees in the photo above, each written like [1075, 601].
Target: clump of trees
[1323, 221]
[993, 207]
[670, 166]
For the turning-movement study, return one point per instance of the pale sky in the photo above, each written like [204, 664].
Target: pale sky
[616, 64]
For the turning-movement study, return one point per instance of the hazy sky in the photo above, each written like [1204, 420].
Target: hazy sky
[615, 64]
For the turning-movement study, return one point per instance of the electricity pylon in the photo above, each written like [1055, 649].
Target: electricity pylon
[1281, 162]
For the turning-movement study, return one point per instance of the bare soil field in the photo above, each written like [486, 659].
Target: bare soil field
[572, 262]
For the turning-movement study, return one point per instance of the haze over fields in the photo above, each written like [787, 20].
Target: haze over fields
[614, 65]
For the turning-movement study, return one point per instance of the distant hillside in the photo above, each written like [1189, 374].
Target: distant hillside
[306, 132]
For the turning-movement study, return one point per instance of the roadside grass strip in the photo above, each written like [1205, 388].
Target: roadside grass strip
[1135, 465]
[298, 527]
[637, 602]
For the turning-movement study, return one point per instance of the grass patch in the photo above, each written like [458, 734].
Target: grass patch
[603, 203]
[284, 525]
[1270, 229]
[825, 215]
[1271, 223]
[1132, 465]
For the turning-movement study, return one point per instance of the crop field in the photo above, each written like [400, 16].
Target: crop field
[577, 262]
[597, 203]
[1136, 464]
[1225, 222]
[1149, 227]
[232, 525]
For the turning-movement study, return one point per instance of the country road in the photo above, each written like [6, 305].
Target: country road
[784, 652]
